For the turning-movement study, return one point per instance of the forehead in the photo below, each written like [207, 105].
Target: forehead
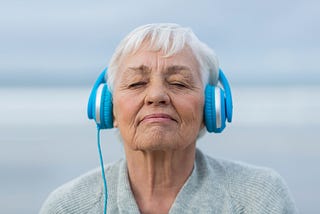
[157, 61]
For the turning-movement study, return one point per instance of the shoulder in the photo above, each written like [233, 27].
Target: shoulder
[71, 196]
[79, 195]
[237, 170]
[252, 188]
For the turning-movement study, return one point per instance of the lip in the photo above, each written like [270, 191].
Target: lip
[157, 118]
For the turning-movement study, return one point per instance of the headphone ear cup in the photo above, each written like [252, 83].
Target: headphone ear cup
[223, 110]
[209, 108]
[106, 109]
[100, 106]
[214, 109]
[92, 99]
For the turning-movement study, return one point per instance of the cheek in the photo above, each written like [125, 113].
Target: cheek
[191, 111]
[125, 109]
[119, 105]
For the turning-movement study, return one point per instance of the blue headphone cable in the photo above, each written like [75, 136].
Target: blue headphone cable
[102, 172]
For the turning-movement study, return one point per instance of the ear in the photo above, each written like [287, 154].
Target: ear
[202, 124]
[115, 121]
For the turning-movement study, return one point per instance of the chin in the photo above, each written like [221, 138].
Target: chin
[157, 147]
[152, 141]
[159, 143]
[159, 139]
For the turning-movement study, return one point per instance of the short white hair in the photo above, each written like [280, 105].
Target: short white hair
[170, 39]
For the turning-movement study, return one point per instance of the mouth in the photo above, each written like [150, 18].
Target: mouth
[157, 118]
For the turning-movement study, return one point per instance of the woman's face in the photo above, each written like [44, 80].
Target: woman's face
[157, 101]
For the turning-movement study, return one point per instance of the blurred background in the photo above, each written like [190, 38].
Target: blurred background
[52, 51]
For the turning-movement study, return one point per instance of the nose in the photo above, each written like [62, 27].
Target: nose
[157, 94]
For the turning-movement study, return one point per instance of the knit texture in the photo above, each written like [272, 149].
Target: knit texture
[215, 186]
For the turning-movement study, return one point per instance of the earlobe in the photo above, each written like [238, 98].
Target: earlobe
[115, 123]
[202, 124]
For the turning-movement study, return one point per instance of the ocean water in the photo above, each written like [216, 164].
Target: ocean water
[46, 140]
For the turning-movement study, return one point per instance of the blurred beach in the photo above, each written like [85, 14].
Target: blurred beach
[52, 51]
[47, 140]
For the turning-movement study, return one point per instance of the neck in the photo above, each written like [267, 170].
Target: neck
[156, 177]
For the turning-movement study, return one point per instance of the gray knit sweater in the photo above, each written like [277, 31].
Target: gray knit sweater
[215, 186]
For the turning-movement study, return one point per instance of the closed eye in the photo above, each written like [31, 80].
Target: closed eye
[179, 84]
[137, 84]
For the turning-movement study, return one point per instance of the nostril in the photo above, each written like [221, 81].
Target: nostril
[157, 100]
[161, 102]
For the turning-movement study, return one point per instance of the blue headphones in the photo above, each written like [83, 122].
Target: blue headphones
[217, 108]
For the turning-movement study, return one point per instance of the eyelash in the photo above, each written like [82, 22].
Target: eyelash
[179, 84]
[140, 84]
[137, 84]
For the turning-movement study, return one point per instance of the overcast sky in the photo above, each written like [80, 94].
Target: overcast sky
[70, 42]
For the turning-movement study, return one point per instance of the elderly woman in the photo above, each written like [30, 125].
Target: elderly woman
[164, 89]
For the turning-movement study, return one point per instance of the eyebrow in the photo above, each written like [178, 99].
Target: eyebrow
[182, 70]
[142, 69]
[174, 69]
